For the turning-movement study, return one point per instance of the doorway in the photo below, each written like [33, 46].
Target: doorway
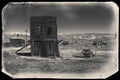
[50, 48]
[37, 50]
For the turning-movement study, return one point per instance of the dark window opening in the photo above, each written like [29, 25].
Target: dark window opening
[49, 31]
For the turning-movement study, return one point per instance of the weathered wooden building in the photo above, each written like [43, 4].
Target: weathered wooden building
[43, 36]
[17, 42]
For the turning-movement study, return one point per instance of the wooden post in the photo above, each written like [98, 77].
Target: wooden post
[54, 49]
[26, 38]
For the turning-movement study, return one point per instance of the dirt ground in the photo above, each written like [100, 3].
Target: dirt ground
[14, 64]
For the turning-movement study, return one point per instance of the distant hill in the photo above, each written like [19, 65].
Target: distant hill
[7, 37]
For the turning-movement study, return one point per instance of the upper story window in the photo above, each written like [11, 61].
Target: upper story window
[49, 30]
[38, 29]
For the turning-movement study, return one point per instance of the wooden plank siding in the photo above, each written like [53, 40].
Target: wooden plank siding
[43, 35]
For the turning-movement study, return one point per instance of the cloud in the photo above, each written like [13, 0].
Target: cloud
[69, 16]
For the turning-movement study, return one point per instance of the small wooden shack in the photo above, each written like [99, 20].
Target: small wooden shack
[43, 36]
[17, 42]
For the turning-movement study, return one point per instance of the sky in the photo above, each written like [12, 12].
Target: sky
[71, 17]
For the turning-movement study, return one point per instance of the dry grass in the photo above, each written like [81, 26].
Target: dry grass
[15, 64]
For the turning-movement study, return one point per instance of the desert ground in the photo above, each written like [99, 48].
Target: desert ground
[68, 64]
[103, 62]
